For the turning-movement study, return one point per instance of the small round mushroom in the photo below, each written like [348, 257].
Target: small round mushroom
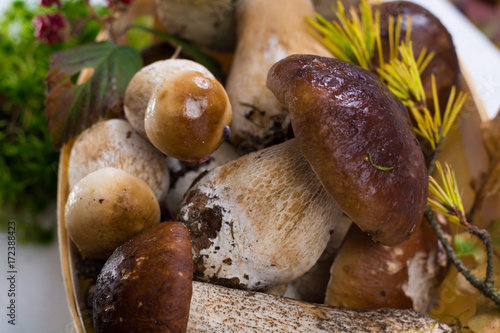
[146, 284]
[187, 114]
[356, 135]
[259, 221]
[106, 208]
[369, 275]
[144, 83]
[114, 143]
[209, 24]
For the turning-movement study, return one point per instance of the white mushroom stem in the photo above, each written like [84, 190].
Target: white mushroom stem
[219, 309]
[261, 220]
[268, 31]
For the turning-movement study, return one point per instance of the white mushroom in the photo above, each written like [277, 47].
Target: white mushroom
[268, 31]
[114, 143]
[108, 207]
[258, 221]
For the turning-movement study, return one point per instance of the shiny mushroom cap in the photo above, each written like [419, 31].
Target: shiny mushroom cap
[355, 134]
[187, 114]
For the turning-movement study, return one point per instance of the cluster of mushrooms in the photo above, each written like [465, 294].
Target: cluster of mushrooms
[266, 209]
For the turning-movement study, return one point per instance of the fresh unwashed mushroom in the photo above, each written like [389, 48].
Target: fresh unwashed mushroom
[183, 173]
[106, 208]
[426, 32]
[369, 275]
[114, 143]
[356, 135]
[145, 82]
[187, 115]
[267, 32]
[259, 221]
[210, 24]
[146, 285]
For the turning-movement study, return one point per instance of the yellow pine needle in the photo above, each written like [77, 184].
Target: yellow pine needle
[446, 199]
[351, 39]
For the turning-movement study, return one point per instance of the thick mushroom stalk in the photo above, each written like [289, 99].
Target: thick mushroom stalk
[355, 134]
[259, 221]
[267, 32]
[219, 309]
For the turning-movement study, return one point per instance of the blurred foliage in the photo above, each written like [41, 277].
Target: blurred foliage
[28, 162]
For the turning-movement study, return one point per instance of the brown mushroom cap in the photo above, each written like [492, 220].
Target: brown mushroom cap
[369, 275]
[146, 284]
[349, 126]
[186, 116]
[428, 32]
[145, 82]
[108, 207]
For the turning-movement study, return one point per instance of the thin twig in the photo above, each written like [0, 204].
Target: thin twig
[486, 287]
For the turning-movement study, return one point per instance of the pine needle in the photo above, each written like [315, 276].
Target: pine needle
[447, 199]
[351, 39]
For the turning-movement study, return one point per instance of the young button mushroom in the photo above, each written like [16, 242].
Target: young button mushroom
[355, 134]
[187, 114]
[267, 32]
[106, 208]
[114, 143]
[259, 221]
[146, 284]
[145, 82]
[369, 275]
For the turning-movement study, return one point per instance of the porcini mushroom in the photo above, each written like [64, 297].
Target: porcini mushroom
[106, 208]
[427, 32]
[267, 32]
[207, 23]
[145, 286]
[356, 135]
[114, 143]
[145, 82]
[369, 275]
[187, 114]
[260, 220]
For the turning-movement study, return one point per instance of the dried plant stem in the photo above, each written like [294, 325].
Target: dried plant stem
[486, 286]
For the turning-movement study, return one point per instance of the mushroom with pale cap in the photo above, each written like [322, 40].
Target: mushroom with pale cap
[146, 286]
[357, 137]
[114, 143]
[106, 208]
[210, 24]
[259, 221]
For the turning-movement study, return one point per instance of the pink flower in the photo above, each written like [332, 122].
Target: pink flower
[51, 28]
[48, 3]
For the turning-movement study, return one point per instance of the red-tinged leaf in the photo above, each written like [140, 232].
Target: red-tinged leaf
[72, 108]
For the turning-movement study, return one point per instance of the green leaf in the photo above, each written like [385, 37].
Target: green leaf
[72, 108]
[467, 244]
